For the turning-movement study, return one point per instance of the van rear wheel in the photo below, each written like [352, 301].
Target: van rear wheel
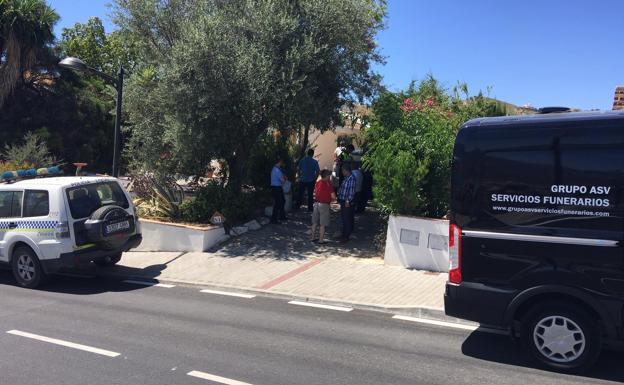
[26, 268]
[561, 336]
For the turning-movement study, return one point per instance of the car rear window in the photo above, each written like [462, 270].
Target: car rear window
[85, 199]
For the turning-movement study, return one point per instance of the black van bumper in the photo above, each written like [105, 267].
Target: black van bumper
[80, 257]
[477, 302]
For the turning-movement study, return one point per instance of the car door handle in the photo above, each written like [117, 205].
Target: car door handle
[12, 225]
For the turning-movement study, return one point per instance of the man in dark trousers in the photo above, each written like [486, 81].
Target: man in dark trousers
[359, 183]
[277, 180]
[346, 195]
[308, 173]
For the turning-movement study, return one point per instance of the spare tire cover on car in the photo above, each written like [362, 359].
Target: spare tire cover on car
[105, 216]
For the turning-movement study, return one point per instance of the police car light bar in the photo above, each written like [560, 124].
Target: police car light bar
[12, 176]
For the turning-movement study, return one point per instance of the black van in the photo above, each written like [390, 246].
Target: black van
[536, 232]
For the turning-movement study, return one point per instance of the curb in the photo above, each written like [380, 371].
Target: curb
[436, 314]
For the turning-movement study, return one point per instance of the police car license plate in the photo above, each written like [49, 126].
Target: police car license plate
[119, 226]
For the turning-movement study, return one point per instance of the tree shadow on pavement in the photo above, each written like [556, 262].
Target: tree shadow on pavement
[290, 239]
[500, 349]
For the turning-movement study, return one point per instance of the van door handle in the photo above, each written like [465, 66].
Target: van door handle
[12, 225]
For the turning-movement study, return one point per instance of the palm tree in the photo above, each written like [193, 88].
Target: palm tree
[26, 32]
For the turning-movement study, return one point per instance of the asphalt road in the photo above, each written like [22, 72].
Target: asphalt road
[158, 335]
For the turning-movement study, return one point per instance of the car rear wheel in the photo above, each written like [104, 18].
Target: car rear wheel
[26, 268]
[108, 260]
[561, 336]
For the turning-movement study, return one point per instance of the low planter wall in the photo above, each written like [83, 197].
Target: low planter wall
[418, 243]
[163, 236]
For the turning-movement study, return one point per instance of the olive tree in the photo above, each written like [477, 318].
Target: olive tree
[221, 73]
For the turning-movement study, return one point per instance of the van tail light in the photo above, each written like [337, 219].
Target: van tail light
[455, 273]
[61, 230]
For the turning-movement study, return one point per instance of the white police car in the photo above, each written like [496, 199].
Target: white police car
[51, 223]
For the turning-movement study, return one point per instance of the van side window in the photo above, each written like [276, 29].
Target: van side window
[36, 204]
[513, 193]
[502, 175]
[10, 204]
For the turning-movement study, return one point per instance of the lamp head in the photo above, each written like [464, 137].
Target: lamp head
[74, 64]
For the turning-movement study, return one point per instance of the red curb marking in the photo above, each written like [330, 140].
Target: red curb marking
[290, 274]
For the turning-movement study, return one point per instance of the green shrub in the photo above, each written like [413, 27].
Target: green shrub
[236, 207]
[410, 145]
[157, 198]
[33, 151]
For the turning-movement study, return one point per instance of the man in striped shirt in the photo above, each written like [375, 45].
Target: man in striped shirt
[346, 194]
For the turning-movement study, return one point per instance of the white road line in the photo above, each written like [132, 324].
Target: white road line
[68, 344]
[147, 283]
[449, 324]
[228, 293]
[213, 378]
[436, 323]
[320, 306]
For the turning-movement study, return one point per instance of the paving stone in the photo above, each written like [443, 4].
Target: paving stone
[253, 225]
[239, 230]
[282, 255]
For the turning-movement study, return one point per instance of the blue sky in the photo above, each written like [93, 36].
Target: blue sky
[546, 53]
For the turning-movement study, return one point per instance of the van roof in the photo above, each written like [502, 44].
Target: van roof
[59, 181]
[542, 118]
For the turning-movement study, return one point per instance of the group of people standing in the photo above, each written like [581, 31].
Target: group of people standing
[320, 192]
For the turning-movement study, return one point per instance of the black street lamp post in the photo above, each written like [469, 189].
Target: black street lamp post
[78, 65]
[117, 141]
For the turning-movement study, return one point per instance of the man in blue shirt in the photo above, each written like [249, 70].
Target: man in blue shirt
[277, 180]
[346, 196]
[308, 173]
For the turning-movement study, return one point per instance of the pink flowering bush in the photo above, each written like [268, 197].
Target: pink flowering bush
[410, 144]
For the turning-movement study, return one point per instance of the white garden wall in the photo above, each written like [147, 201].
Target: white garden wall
[162, 236]
[418, 243]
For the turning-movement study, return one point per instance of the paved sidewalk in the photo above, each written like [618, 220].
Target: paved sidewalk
[290, 239]
[364, 282]
[280, 260]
